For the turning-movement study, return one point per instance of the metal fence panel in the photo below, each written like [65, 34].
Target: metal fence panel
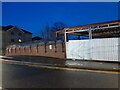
[106, 49]
[119, 49]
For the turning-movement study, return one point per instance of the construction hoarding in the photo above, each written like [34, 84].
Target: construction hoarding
[105, 49]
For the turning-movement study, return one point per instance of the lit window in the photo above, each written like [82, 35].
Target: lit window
[50, 46]
[19, 40]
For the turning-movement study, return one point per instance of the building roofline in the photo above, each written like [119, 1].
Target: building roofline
[26, 31]
[11, 26]
[15, 27]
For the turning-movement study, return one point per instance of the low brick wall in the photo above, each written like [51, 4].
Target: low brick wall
[52, 49]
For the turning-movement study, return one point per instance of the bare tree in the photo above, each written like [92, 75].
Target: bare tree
[42, 34]
[59, 26]
[49, 33]
[45, 33]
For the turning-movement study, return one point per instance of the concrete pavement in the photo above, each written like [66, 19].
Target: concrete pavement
[93, 65]
[78, 64]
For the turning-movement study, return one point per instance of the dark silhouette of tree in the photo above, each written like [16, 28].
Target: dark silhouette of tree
[36, 38]
[42, 34]
[58, 26]
[45, 34]
[49, 33]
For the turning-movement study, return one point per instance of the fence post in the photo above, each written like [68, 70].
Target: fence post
[20, 50]
[11, 51]
[15, 50]
[45, 48]
[55, 47]
[63, 46]
[37, 48]
[30, 49]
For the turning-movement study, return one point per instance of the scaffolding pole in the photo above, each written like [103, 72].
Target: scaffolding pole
[65, 40]
[90, 33]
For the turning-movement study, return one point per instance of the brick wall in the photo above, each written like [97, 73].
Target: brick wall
[49, 50]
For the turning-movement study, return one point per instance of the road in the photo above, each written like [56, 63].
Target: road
[21, 76]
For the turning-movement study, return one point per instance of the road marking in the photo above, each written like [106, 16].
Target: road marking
[58, 68]
[75, 69]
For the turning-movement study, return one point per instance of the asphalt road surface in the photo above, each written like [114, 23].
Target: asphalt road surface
[20, 76]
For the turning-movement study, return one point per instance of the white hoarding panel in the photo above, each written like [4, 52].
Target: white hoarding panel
[106, 49]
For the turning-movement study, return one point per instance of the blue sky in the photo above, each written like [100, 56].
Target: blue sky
[34, 16]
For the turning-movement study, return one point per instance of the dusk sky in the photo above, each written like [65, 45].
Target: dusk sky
[33, 17]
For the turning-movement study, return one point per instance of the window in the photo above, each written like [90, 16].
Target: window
[19, 40]
[12, 40]
[19, 34]
[12, 33]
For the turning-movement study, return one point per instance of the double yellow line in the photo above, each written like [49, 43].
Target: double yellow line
[76, 69]
[63, 68]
